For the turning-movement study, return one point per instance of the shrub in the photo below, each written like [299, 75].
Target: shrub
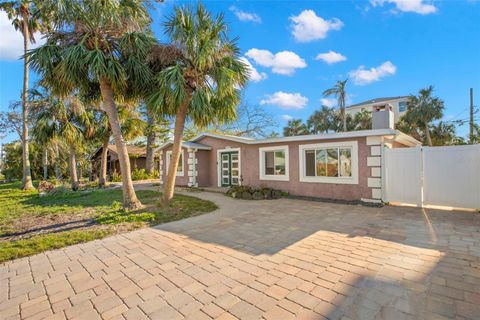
[249, 193]
[45, 187]
[116, 177]
[141, 174]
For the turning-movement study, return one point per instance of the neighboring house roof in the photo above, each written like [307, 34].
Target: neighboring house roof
[132, 151]
[376, 100]
[187, 144]
[396, 136]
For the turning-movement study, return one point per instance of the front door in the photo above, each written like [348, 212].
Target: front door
[230, 169]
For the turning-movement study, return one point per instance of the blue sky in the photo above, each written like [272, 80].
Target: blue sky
[297, 49]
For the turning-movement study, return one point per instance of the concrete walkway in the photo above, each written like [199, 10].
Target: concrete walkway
[279, 259]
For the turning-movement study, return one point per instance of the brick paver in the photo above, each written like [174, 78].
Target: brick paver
[281, 259]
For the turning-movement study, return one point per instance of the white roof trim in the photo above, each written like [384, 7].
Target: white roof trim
[324, 136]
[166, 144]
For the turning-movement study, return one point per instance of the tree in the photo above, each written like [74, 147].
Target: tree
[65, 120]
[363, 120]
[156, 128]
[11, 121]
[204, 83]
[99, 48]
[295, 127]
[321, 121]
[23, 15]
[251, 121]
[444, 134]
[423, 109]
[338, 90]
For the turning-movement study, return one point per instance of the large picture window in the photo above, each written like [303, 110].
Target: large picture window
[180, 171]
[329, 162]
[274, 163]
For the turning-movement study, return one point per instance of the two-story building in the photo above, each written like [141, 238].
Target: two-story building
[399, 106]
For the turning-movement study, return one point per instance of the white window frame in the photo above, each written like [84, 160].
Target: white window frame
[338, 180]
[219, 165]
[261, 156]
[179, 173]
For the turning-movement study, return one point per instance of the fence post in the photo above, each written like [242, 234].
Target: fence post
[420, 159]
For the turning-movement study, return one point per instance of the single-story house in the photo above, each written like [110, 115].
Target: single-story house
[137, 155]
[343, 165]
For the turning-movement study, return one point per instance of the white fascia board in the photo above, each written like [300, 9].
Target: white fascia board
[325, 136]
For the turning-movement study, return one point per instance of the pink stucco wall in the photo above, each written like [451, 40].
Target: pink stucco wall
[250, 170]
[204, 158]
[180, 181]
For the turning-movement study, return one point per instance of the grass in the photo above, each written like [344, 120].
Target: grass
[19, 210]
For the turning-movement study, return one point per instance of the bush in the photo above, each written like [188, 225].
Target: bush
[45, 187]
[249, 193]
[141, 174]
[116, 177]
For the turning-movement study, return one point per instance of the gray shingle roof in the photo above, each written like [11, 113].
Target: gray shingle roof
[376, 100]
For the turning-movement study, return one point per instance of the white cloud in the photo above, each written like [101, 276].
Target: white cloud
[363, 76]
[331, 57]
[307, 26]
[329, 102]
[255, 76]
[285, 100]
[283, 62]
[423, 7]
[245, 16]
[287, 117]
[11, 45]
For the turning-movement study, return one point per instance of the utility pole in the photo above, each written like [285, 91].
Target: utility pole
[471, 115]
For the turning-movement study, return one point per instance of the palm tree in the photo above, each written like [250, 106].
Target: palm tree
[64, 120]
[321, 121]
[295, 127]
[338, 90]
[423, 109]
[23, 15]
[204, 83]
[362, 120]
[99, 48]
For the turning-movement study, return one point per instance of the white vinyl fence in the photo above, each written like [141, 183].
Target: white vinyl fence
[440, 176]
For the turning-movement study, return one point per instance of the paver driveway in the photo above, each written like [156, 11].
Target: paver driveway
[280, 259]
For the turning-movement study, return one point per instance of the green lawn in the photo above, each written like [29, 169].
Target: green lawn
[23, 211]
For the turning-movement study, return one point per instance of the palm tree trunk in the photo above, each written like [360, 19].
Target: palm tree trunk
[427, 134]
[344, 118]
[73, 168]
[45, 164]
[130, 200]
[27, 175]
[58, 170]
[176, 148]
[150, 143]
[102, 181]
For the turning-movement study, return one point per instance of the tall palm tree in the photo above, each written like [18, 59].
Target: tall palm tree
[423, 109]
[23, 15]
[295, 127]
[99, 47]
[338, 90]
[204, 83]
[64, 120]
